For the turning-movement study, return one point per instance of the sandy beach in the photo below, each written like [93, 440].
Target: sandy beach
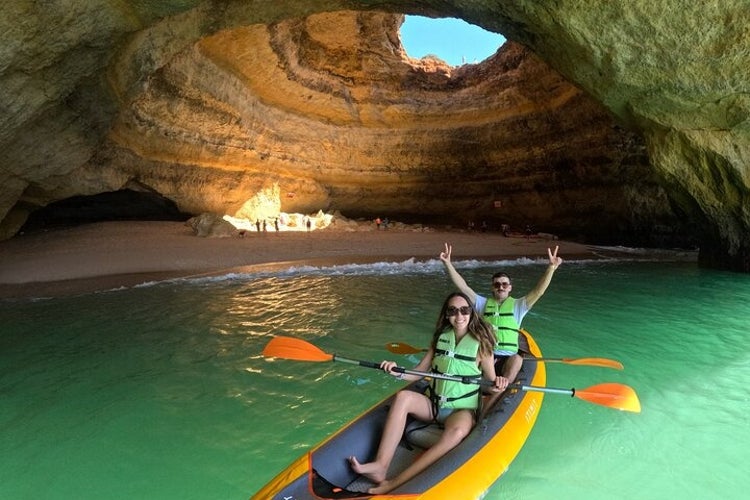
[111, 254]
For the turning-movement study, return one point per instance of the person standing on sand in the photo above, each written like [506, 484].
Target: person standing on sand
[461, 343]
[503, 312]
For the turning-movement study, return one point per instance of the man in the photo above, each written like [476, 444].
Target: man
[502, 311]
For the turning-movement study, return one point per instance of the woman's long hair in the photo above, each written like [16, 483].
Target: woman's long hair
[478, 327]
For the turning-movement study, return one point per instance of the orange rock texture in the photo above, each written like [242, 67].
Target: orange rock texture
[331, 110]
[259, 107]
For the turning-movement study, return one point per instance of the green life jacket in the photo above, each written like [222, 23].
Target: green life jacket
[500, 316]
[459, 360]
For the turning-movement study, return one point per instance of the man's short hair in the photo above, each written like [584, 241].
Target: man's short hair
[500, 274]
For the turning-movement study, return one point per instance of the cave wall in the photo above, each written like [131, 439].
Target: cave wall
[614, 121]
[348, 122]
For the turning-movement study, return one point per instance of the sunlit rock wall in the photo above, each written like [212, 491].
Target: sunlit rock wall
[210, 105]
[331, 110]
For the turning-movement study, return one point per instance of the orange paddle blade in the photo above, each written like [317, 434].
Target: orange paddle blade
[401, 348]
[603, 362]
[296, 349]
[613, 395]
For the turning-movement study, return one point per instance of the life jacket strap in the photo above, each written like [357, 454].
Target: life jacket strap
[496, 314]
[442, 399]
[451, 354]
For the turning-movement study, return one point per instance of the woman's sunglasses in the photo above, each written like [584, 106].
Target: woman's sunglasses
[452, 311]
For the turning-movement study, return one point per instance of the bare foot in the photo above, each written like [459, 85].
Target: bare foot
[370, 470]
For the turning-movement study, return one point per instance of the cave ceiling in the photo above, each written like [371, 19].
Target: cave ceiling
[616, 122]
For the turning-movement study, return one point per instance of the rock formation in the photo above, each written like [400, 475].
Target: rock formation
[614, 122]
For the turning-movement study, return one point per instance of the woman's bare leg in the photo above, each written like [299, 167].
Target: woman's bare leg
[404, 404]
[457, 427]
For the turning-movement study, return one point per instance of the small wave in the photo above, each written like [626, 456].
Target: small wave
[635, 253]
[407, 267]
[605, 254]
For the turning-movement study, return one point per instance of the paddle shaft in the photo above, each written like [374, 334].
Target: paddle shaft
[399, 369]
[454, 378]
[402, 348]
[612, 395]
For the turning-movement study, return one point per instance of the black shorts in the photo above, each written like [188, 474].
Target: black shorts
[500, 363]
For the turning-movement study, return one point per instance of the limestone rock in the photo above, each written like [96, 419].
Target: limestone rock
[614, 122]
[211, 226]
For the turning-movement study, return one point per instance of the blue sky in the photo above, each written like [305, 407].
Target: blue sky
[452, 40]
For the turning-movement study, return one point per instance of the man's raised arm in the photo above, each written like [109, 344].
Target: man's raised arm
[456, 278]
[541, 287]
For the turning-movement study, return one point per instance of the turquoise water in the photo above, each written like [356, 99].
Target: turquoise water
[160, 391]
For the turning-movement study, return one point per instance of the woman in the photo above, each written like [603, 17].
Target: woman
[462, 344]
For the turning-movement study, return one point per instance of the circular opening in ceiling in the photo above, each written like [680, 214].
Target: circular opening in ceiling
[452, 40]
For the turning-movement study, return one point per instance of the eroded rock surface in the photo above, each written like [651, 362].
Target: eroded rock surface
[642, 141]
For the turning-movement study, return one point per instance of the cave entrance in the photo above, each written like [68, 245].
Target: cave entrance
[453, 41]
[125, 204]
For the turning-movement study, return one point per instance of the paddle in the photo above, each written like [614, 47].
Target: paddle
[611, 395]
[401, 348]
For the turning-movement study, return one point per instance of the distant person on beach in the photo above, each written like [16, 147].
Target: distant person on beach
[461, 343]
[378, 222]
[308, 223]
[503, 312]
[257, 225]
[276, 224]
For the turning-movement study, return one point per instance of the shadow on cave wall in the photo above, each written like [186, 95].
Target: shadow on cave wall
[121, 205]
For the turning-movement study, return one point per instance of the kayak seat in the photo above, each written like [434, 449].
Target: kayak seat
[421, 434]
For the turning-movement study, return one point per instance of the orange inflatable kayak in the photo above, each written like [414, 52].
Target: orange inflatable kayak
[465, 472]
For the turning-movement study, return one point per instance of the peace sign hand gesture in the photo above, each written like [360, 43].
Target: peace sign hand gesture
[446, 255]
[554, 260]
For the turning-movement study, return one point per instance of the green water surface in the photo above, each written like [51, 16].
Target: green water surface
[160, 391]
